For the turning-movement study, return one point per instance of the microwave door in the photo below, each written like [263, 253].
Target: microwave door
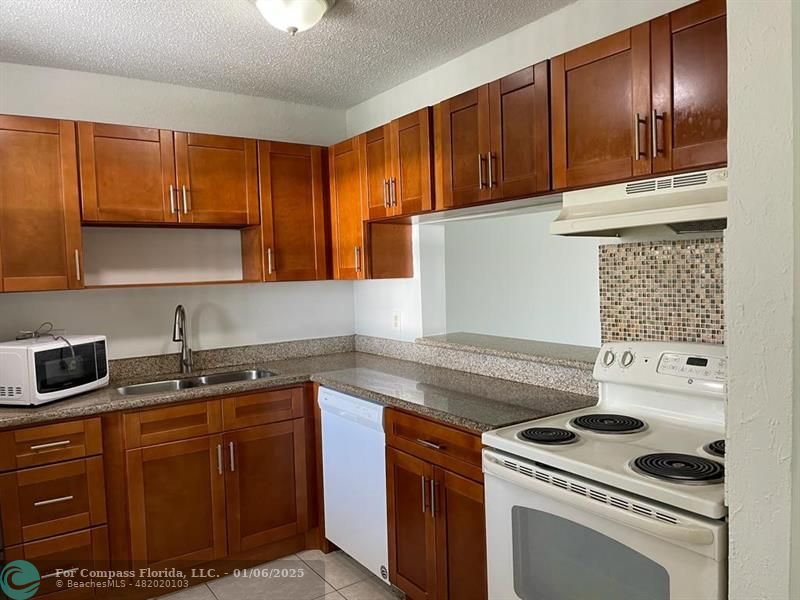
[553, 544]
[65, 368]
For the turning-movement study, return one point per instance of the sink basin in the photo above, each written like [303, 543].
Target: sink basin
[176, 385]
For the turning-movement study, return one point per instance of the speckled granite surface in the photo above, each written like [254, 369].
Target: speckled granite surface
[565, 374]
[476, 402]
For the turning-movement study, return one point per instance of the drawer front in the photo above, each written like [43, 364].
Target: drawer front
[86, 549]
[262, 407]
[48, 444]
[439, 444]
[51, 500]
[172, 423]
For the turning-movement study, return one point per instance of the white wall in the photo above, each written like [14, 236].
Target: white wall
[508, 276]
[45, 92]
[138, 322]
[795, 552]
[761, 273]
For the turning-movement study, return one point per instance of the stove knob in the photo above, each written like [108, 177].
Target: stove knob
[609, 358]
[627, 358]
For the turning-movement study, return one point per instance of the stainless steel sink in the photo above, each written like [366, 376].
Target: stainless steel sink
[176, 385]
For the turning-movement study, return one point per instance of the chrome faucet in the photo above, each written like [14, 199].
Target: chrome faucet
[180, 333]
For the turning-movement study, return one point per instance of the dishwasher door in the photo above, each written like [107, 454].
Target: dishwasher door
[354, 478]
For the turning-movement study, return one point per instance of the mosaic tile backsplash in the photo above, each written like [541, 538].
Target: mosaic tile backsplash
[669, 291]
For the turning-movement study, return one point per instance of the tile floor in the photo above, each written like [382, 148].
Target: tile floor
[333, 576]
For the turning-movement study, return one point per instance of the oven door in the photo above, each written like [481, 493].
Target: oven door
[560, 537]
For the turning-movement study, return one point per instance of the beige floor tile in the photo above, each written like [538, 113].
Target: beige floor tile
[284, 579]
[369, 589]
[332, 596]
[337, 568]
[196, 592]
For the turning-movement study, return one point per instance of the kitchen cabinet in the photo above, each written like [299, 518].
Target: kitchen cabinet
[689, 119]
[493, 142]
[292, 211]
[265, 484]
[127, 174]
[600, 107]
[437, 536]
[346, 210]
[217, 179]
[176, 498]
[397, 164]
[40, 235]
[651, 99]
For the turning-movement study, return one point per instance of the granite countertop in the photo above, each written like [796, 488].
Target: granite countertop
[470, 401]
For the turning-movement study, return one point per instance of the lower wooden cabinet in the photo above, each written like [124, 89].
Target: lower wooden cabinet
[437, 531]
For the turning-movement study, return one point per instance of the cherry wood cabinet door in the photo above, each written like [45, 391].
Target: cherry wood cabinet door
[127, 174]
[217, 179]
[411, 185]
[40, 232]
[460, 537]
[376, 158]
[461, 133]
[265, 482]
[292, 211]
[346, 210]
[412, 544]
[520, 133]
[176, 502]
[600, 99]
[690, 88]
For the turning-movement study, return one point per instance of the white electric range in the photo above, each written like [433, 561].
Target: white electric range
[621, 500]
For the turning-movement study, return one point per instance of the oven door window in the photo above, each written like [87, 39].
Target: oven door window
[59, 369]
[558, 559]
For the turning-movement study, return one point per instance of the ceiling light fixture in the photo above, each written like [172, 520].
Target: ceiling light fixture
[292, 16]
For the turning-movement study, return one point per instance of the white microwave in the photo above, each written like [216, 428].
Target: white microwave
[42, 370]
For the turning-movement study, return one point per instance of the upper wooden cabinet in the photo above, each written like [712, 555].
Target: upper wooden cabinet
[127, 174]
[493, 142]
[650, 99]
[217, 179]
[292, 211]
[346, 210]
[600, 107]
[690, 89]
[40, 235]
[140, 175]
[397, 166]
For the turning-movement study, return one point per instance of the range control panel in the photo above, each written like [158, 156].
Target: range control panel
[687, 365]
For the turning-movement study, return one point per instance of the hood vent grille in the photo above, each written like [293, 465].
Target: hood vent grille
[668, 183]
[680, 181]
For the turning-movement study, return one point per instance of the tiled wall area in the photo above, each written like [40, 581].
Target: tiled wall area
[662, 291]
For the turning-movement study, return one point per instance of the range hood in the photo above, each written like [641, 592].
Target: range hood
[688, 202]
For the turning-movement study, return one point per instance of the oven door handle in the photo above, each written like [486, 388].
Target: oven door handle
[680, 533]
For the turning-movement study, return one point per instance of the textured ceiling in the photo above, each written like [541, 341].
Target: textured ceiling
[361, 48]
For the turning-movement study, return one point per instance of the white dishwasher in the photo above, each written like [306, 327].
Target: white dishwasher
[354, 478]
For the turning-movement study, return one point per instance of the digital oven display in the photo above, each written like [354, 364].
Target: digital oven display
[696, 361]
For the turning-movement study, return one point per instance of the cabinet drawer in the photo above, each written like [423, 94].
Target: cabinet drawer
[81, 550]
[172, 423]
[48, 444]
[439, 444]
[262, 407]
[51, 500]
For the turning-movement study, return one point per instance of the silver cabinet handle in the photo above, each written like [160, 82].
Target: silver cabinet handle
[54, 501]
[270, 267]
[393, 192]
[185, 201]
[428, 444]
[433, 497]
[171, 199]
[386, 193]
[489, 170]
[78, 264]
[219, 459]
[423, 494]
[480, 171]
[51, 445]
[231, 456]
[654, 131]
[357, 250]
[637, 150]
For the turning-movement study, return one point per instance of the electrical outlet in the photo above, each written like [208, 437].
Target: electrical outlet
[397, 320]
